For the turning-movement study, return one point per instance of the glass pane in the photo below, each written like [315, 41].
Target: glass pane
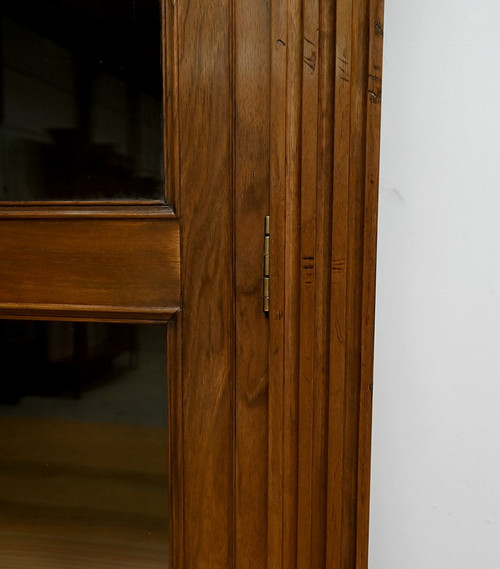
[83, 446]
[80, 100]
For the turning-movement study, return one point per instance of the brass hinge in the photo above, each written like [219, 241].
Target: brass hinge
[266, 266]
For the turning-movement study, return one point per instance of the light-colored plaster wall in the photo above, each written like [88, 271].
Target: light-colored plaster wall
[435, 501]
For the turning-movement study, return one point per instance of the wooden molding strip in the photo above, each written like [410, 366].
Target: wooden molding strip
[116, 262]
[87, 211]
[86, 313]
[326, 58]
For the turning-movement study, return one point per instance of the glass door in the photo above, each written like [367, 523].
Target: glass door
[90, 276]
[83, 446]
[80, 100]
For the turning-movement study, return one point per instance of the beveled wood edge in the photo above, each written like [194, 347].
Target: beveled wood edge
[87, 313]
[87, 211]
[171, 135]
[372, 175]
[276, 389]
[84, 202]
[175, 345]
[164, 79]
[176, 437]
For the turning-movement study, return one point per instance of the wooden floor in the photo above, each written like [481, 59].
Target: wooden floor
[82, 496]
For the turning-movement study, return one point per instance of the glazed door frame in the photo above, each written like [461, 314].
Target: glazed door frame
[272, 107]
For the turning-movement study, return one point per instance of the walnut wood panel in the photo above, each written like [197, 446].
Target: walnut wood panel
[286, 97]
[84, 267]
[251, 202]
[325, 127]
[222, 164]
[205, 204]
[316, 204]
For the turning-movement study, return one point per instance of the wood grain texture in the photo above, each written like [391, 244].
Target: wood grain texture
[176, 440]
[316, 198]
[77, 211]
[373, 116]
[111, 264]
[308, 375]
[276, 390]
[354, 267]
[338, 316]
[206, 190]
[325, 79]
[251, 202]
[291, 252]
[86, 313]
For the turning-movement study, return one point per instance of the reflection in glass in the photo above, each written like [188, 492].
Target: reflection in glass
[83, 446]
[80, 100]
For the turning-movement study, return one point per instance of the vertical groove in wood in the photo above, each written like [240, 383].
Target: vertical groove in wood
[278, 102]
[292, 278]
[323, 190]
[308, 207]
[235, 548]
[338, 325]
[353, 274]
[251, 74]
[373, 97]
[354, 282]
[324, 178]
[205, 156]
[233, 503]
[175, 345]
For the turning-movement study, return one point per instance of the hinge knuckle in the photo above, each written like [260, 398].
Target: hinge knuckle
[267, 265]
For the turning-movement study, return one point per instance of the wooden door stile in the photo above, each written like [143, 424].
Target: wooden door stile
[251, 205]
[205, 108]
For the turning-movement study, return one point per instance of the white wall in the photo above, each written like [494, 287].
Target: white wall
[436, 426]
